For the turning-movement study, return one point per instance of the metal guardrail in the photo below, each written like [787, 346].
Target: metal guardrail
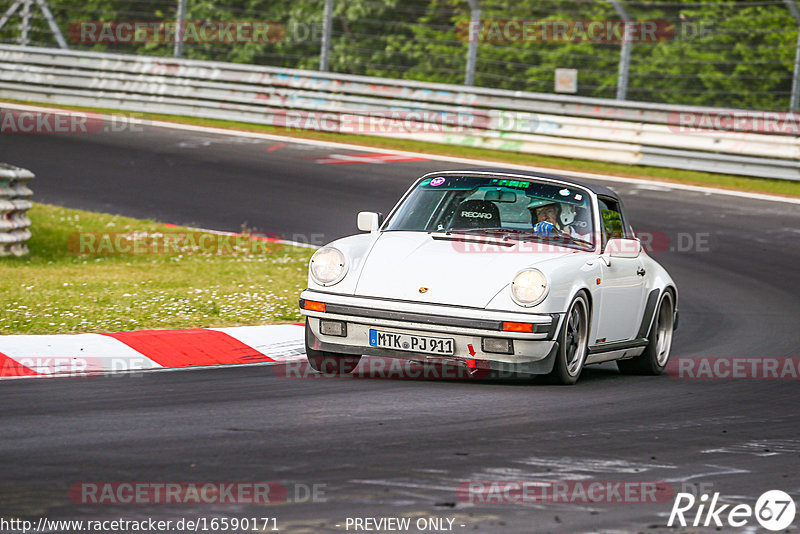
[14, 205]
[554, 125]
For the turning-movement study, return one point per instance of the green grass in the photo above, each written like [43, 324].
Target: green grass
[724, 181]
[55, 290]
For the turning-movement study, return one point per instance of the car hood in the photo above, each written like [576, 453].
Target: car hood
[454, 270]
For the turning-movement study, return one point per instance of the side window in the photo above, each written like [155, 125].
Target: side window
[611, 219]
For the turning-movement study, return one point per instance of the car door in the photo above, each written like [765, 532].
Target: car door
[622, 286]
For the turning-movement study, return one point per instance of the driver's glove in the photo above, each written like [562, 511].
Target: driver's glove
[544, 228]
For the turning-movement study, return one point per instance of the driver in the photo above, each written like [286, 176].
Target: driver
[546, 219]
[555, 218]
[547, 222]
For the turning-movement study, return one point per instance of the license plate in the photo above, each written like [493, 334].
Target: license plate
[395, 341]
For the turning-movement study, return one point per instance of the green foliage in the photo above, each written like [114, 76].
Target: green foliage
[612, 224]
[55, 289]
[723, 52]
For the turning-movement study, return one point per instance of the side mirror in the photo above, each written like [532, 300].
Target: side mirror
[369, 221]
[622, 248]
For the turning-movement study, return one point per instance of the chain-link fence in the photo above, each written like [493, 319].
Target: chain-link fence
[714, 53]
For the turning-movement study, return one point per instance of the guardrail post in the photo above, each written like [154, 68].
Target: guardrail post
[25, 26]
[180, 26]
[51, 23]
[625, 51]
[327, 28]
[795, 97]
[473, 34]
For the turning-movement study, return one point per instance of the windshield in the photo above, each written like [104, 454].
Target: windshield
[511, 207]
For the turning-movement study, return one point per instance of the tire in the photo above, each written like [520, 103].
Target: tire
[656, 354]
[330, 363]
[573, 344]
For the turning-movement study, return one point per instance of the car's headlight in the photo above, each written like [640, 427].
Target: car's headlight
[529, 287]
[328, 266]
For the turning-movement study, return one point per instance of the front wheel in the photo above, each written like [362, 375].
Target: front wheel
[572, 344]
[655, 356]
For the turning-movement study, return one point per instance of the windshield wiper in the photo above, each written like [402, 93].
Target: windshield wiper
[489, 230]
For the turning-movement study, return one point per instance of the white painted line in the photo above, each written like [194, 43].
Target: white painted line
[450, 159]
[97, 373]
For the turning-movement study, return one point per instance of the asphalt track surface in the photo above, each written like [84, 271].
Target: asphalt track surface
[391, 447]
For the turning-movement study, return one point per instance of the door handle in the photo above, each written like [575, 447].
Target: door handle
[640, 271]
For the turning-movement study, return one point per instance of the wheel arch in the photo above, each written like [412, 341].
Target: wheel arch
[670, 288]
[590, 307]
[589, 300]
[653, 305]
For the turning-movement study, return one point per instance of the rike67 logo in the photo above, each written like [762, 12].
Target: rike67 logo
[774, 510]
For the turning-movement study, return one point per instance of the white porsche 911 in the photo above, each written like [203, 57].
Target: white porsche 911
[497, 270]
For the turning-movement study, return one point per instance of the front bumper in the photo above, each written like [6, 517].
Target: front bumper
[533, 352]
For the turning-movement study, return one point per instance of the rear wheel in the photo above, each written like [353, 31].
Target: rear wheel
[655, 356]
[572, 344]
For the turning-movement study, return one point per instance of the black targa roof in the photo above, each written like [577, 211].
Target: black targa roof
[594, 188]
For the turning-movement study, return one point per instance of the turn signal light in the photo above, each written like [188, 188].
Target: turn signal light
[313, 305]
[518, 327]
[332, 328]
[497, 345]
